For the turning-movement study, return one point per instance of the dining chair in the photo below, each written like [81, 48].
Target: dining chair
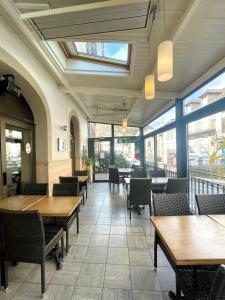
[36, 189]
[27, 240]
[206, 284]
[139, 172]
[140, 193]
[73, 179]
[67, 189]
[211, 204]
[82, 173]
[114, 177]
[169, 205]
[177, 185]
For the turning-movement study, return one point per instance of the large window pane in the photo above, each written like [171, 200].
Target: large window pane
[127, 152]
[97, 130]
[206, 146]
[166, 150]
[165, 119]
[211, 92]
[129, 131]
[149, 151]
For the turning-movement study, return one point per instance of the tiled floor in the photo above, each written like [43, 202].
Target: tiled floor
[111, 258]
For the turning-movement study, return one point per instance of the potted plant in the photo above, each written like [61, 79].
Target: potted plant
[89, 168]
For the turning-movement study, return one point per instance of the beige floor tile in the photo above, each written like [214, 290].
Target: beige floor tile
[96, 255]
[102, 229]
[116, 294]
[144, 278]
[117, 276]
[137, 242]
[140, 257]
[10, 291]
[91, 275]
[35, 275]
[118, 241]
[147, 295]
[85, 293]
[68, 274]
[99, 240]
[20, 272]
[76, 253]
[118, 256]
[118, 229]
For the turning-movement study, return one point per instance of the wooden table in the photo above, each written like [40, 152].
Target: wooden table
[125, 171]
[220, 219]
[156, 181]
[190, 240]
[20, 202]
[62, 206]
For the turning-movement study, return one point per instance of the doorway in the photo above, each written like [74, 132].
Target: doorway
[17, 156]
[102, 159]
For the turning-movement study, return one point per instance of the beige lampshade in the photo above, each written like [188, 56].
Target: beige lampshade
[149, 87]
[124, 123]
[165, 61]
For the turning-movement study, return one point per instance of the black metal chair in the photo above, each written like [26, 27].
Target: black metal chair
[211, 204]
[27, 240]
[36, 189]
[206, 284]
[73, 179]
[67, 189]
[139, 172]
[177, 185]
[169, 205]
[140, 193]
[114, 177]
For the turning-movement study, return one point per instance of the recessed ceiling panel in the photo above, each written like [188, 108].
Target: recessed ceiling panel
[94, 18]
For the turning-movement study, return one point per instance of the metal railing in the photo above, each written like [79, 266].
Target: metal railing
[199, 183]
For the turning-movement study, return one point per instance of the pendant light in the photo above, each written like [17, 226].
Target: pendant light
[124, 123]
[149, 87]
[165, 56]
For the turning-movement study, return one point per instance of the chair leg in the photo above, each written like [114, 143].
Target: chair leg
[4, 274]
[130, 211]
[155, 251]
[150, 209]
[83, 198]
[77, 219]
[67, 241]
[118, 187]
[62, 247]
[43, 277]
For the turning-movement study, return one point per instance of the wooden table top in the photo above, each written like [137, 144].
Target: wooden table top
[219, 219]
[20, 202]
[156, 181]
[125, 170]
[192, 240]
[62, 206]
[82, 178]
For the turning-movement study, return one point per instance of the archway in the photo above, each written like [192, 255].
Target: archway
[39, 107]
[75, 143]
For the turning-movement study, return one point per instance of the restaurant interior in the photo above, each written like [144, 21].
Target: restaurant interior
[112, 149]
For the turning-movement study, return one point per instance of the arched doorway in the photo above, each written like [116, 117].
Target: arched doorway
[23, 136]
[75, 144]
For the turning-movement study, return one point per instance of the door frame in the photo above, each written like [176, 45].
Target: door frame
[20, 125]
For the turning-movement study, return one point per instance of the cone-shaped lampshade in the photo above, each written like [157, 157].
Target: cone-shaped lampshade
[165, 61]
[149, 87]
[124, 123]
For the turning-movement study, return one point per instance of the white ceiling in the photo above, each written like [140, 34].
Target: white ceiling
[197, 28]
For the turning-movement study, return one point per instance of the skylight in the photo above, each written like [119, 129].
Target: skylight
[117, 54]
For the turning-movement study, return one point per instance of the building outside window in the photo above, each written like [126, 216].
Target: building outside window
[166, 150]
[149, 151]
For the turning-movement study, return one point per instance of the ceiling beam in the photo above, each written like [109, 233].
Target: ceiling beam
[105, 91]
[31, 6]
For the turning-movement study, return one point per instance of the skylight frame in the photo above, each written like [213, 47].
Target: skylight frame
[100, 61]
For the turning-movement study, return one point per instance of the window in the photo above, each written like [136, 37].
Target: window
[127, 152]
[211, 92]
[206, 146]
[97, 130]
[149, 151]
[115, 54]
[165, 119]
[129, 131]
[166, 150]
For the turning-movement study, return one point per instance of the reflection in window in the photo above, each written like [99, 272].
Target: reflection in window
[149, 151]
[206, 146]
[166, 150]
[127, 152]
[211, 92]
[97, 130]
[165, 119]
[128, 131]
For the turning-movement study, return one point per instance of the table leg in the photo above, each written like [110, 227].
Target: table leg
[77, 212]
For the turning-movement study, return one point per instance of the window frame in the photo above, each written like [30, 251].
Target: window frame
[99, 61]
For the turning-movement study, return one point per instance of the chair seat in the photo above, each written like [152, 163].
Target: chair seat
[53, 234]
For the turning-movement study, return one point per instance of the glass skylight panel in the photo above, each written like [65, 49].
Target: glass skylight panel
[111, 52]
